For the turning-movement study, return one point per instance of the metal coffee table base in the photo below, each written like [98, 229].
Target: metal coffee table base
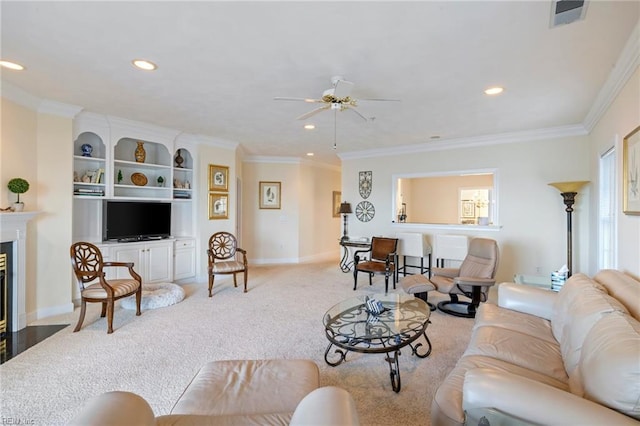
[392, 356]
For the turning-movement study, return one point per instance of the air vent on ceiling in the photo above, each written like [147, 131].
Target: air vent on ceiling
[567, 11]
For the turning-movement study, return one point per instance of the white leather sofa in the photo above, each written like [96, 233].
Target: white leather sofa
[235, 392]
[565, 358]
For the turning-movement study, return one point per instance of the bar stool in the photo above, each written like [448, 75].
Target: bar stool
[415, 245]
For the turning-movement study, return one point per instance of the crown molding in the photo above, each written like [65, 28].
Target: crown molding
[34, 103]
[19, 96]
[625, 66]
[470, 142]
[289, 160]
[213, 141]
[59, 109]
[271, 160]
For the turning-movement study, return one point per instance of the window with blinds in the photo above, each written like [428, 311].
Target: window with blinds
[607, 258]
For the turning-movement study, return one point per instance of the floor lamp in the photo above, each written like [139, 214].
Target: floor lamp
[345, 209]
[569, 190]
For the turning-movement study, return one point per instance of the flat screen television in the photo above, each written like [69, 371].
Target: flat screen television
[135, 220]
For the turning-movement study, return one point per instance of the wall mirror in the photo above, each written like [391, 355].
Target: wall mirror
[455, 198]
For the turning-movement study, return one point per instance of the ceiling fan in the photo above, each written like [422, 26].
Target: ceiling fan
[338, 98]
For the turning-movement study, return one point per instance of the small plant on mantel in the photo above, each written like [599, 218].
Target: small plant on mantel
[18, 186]
[160, 181]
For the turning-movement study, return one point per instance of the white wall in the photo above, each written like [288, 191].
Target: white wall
[54, 227]
[303, 229]
[620, 119]
[205, 155]
[36, 146]
[532, 220]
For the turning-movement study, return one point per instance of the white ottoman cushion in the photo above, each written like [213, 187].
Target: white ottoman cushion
[155, 296]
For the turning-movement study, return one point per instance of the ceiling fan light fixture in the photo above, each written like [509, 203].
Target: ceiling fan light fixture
[143, 64]
[11, 65]
[496, 90]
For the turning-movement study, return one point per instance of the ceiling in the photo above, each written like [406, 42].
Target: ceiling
[220, 65]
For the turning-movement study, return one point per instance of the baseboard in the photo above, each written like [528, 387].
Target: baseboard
[49, 312]
[322, 257]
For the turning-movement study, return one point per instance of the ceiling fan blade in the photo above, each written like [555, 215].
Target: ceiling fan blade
[343, 89]
[380, 100]
[309, 100]
[358, 112]
[313, 112]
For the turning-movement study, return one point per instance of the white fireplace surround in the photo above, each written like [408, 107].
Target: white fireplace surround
[13, 228]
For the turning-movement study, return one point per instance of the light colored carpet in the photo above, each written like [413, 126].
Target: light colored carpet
[157, 354]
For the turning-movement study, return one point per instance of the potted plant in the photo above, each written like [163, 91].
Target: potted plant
[160, 181]
[18, 186]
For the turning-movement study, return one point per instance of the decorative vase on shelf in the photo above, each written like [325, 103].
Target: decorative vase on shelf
[18, 207]
[86, 150]
[140, 153]
[179, 160]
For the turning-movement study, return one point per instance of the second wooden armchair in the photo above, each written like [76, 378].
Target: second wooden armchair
[225, 257]
[382, 260]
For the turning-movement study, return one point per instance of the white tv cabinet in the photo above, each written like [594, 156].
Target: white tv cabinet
[153, 260]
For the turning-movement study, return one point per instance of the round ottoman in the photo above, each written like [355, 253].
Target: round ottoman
[155, 296]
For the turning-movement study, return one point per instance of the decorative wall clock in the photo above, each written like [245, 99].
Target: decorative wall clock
[365, 184]
[365, 211]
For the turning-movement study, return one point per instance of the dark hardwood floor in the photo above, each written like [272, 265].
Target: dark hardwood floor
[22, 340]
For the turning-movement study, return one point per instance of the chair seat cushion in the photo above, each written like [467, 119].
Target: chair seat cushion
[227, 266]
[375, 267]
[120, 288]
[249, 387]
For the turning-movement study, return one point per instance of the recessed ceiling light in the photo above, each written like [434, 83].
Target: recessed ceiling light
[309, 154]
[143, 64]
[494, 90]
[309, 126]
[11, 65]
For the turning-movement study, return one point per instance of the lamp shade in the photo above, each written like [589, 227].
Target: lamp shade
[569, 186]
[345, 208]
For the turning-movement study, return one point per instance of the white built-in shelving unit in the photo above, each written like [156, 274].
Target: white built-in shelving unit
[114, 142]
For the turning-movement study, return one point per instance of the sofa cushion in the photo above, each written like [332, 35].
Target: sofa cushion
[610, 363]
[249, 387]
[623, 287]
[446, 407]
[571, 291]
[578, 307]
[492, 315]
[537, 355]
[281, 419]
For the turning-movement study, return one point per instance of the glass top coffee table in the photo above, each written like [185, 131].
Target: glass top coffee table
[350, 326]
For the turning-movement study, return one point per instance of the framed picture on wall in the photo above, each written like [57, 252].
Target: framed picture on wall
[218, 178]
[218, 206]
[631, 172]
[269, 195]
[337, 195]
[468, 208]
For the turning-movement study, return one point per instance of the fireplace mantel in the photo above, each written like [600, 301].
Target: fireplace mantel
[13, 228]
